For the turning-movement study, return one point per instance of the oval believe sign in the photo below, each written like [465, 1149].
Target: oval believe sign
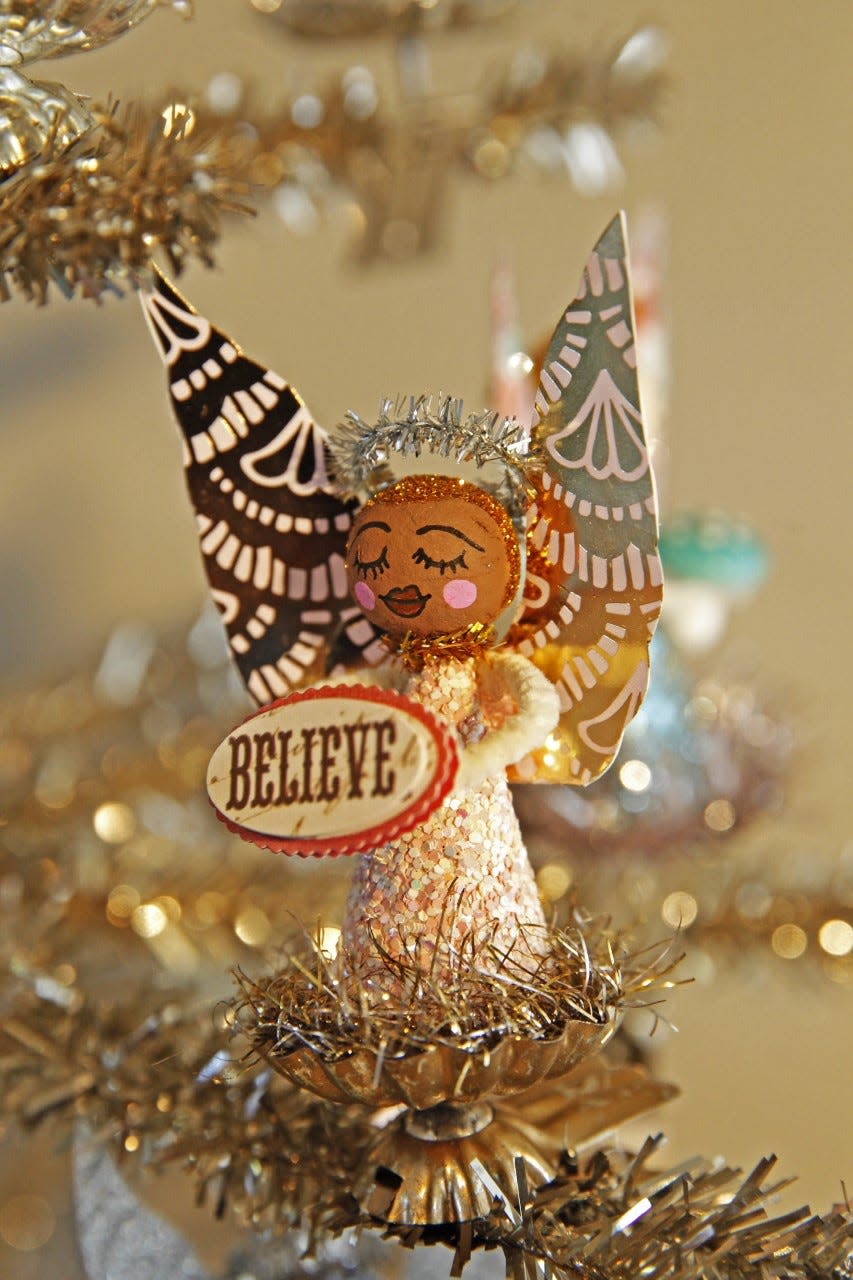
[338, 769]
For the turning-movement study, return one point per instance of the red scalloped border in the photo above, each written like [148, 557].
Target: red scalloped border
[370, 837]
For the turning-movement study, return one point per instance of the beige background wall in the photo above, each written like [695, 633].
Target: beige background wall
[753, 171]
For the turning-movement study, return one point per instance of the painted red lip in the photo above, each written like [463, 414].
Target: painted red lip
[406, 602]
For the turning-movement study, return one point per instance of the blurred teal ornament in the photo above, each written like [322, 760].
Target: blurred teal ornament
[714, 547]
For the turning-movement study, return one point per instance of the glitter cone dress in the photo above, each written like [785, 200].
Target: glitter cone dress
[463, 875]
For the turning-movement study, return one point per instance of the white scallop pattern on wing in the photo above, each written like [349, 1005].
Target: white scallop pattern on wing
[272, 531]
[593, 526]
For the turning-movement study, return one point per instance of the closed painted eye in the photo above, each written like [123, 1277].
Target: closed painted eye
[443, 566]
[372, 568]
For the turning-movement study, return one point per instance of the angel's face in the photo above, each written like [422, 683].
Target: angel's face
[431, 556]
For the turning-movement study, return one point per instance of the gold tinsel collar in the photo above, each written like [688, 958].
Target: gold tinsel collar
[415, 651]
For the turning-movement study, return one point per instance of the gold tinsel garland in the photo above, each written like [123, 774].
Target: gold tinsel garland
[105, 821]
[40, 120]
[162, 1079]
[335, 19]
[583, 973]
[88, 215]
[53, 28]
[92, 215]
[112, 867]
[157, 1080]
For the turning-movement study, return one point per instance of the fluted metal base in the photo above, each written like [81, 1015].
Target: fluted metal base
[421, 1171]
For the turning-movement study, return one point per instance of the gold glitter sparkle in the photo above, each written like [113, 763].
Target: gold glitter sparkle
[463, 872]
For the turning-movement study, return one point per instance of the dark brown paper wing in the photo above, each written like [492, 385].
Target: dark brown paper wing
[594, 576]
[272, 532]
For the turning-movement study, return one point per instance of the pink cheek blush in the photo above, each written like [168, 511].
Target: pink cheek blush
[460, 593]
[364, 595]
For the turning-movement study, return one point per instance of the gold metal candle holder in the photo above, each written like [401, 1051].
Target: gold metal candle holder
[466, 1068]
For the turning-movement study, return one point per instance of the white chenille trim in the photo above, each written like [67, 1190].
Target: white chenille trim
[527, 728]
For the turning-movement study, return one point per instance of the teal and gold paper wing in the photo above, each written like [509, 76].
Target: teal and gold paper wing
[594, 577]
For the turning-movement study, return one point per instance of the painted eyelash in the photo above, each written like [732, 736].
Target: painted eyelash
[372, 567]
[458, 562]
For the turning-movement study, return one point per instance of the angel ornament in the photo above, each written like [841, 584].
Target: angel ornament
[502, 576]
[436, 562]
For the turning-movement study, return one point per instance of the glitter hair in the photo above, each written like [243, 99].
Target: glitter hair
[426, 488]
[427, 435]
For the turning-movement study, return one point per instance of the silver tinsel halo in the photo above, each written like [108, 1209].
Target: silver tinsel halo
[428, 434]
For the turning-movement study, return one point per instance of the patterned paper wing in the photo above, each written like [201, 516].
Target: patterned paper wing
[594, 576]
[272, 532]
